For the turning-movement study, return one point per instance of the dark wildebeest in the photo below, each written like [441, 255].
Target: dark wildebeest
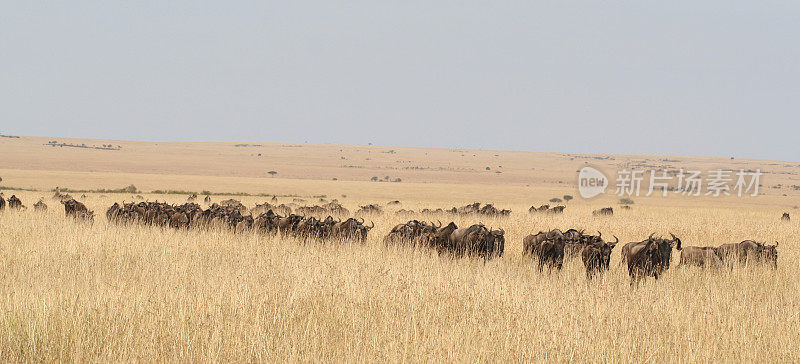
[749, 251]
[15, 203]
[461, 241]
[785, 216]
[650, 257]
[701, 256]
[596, 257]
[77, 210]
[477, 240]
[412, 232]
[605, 211]
[440, 238]
[2, 203]
[557, 210]
[665, 249]
[350, 228]
[112, 211]
[548, 248]
[644, 259]
[40, 206]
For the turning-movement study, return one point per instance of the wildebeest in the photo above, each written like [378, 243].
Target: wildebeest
[546, 209]
[701, 256]
[547, 248]
[605, 211]
[785, 216]
[350, 229]
[542, 208]
[192, 197]
[395, 202]
[749, 251]
[596, 257]
[476, 240]
[40, 206]
[2, 203]
[441, 237]
[413, 232]
[475, 208]
[77, 210]
[207, 200]
[15, 203]
[650, 257]
[370, 209]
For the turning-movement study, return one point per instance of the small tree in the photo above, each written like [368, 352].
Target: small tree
[567, 198]
[626, 201]
[130, 189]
[272, 173]
[555, 200]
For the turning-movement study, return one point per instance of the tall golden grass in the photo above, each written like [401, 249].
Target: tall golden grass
[103, 292]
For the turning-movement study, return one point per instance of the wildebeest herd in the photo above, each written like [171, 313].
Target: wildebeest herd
[232, 215]
[475, 240]
[647, 258]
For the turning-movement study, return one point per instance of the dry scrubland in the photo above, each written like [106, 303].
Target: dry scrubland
[71, 291]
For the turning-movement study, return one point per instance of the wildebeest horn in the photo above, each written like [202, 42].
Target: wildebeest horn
[373, 224]
[362, 221]
[601, 234]
[616, 238]
[651, 236]
[440, 223]
[502, 232]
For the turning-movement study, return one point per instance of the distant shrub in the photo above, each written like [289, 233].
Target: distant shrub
[555, 200]
[626, 201]
[567, 197]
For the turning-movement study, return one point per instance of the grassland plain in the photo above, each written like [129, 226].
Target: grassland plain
[105, 292]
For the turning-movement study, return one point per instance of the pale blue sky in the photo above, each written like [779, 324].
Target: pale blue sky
[655, 77]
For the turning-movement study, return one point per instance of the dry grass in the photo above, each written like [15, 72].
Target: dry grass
[72, 292]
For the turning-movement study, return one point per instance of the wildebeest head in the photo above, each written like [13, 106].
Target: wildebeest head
[665, 249]
[769, 254]
[785, 216]
[498, 239]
